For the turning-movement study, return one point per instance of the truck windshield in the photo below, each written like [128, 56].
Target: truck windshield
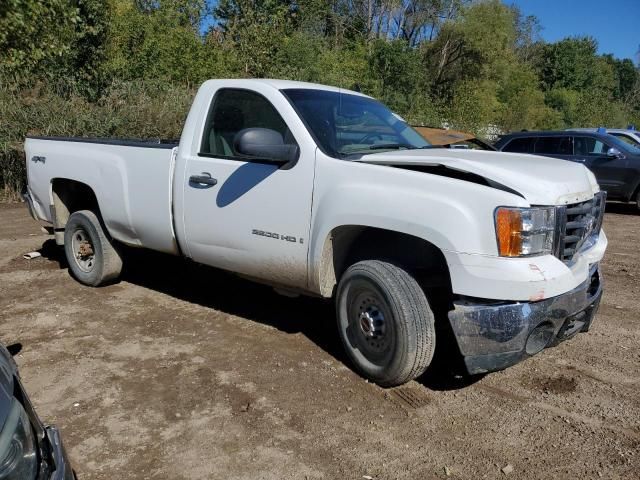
[346, 125]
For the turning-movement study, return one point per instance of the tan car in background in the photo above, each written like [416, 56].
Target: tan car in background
[452, 138]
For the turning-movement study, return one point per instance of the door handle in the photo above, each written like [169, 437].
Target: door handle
[203, 179]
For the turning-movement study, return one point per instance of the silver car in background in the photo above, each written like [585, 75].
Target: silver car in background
[629, 135]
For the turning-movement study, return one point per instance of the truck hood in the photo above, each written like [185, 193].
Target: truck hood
[540, 180]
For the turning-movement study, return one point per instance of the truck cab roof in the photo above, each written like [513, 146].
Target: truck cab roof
[284, 85]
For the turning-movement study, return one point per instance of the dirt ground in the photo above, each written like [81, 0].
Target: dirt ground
[184, 372]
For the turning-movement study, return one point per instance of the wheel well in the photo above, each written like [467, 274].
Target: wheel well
[69, 196]
[422, 259]
[349, 244]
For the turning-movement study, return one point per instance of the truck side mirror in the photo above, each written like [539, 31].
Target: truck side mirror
[614, 153]
[264, 144]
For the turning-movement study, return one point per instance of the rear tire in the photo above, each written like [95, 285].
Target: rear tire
[93, 259]
[385, 322]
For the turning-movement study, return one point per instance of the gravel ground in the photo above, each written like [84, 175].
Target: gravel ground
[184, 372]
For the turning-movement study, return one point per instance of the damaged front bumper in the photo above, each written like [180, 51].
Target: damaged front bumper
[494, 336]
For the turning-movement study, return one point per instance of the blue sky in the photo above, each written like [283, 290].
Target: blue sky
[615, 24]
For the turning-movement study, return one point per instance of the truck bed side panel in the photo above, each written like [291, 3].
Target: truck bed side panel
[132, 185]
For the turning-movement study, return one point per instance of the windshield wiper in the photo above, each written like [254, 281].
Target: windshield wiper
[391, 146]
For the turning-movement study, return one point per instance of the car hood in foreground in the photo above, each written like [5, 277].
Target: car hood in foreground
[540, 180]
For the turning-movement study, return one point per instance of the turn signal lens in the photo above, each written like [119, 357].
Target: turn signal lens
[525, 231]
[508, 229]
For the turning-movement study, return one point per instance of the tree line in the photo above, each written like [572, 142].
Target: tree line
[129, 68]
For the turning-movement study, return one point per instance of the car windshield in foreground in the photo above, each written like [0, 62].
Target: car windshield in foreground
[344, 124]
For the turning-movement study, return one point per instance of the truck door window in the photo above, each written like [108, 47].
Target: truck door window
[233, 110]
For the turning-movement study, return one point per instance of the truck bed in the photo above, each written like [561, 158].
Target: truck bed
[132, 181]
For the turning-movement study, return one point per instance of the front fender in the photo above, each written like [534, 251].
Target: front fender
[452, 214]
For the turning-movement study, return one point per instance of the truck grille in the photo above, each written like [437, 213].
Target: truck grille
[577, 223]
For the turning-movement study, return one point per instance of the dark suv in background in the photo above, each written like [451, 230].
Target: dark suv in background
[615, 163]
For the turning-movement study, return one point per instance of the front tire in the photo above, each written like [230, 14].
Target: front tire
[385, 322]
[92, 258]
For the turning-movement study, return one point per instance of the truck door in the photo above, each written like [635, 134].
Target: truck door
[609, 171]
[242, 214]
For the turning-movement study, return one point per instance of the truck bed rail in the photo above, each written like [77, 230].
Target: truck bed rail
[123, 142]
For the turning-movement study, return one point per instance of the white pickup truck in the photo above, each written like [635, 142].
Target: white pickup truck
[323, 191]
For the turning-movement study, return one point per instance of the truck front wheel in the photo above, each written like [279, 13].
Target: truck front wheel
[385, 322]
[91, 256]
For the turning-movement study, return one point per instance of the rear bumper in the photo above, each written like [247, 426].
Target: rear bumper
[493, 336]
[29, 201]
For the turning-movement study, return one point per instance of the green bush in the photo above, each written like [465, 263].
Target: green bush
[127, 110]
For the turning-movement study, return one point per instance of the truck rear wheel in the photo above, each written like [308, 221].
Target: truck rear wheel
[385, 322]
[92, 258]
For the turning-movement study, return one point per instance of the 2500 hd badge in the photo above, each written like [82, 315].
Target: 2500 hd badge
[276, 236]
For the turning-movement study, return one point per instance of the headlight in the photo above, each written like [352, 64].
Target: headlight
[18, 458]
[523, 232]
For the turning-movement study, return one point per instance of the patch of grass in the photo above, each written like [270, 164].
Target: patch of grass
[12, 173]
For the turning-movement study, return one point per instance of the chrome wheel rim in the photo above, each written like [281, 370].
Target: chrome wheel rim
[82, 248]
